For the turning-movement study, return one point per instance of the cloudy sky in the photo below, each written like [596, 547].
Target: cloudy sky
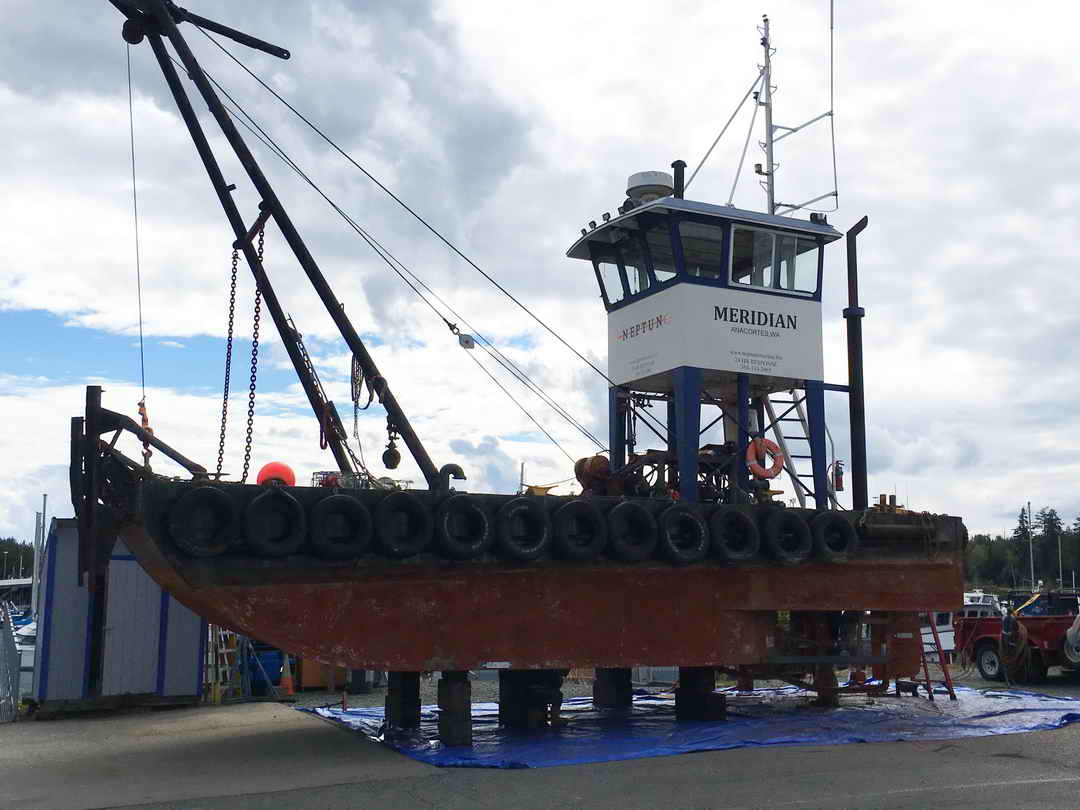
[509, 126]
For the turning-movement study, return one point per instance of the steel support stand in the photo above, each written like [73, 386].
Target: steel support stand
[815, 416]
[403, 700]
[695, 698]
[687, 381]
[455, 708]
[617, 407]
[612, 688]
[742, 413]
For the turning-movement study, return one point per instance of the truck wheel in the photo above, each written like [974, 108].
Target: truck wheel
[988, 660]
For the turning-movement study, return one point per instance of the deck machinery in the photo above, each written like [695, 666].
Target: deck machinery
[680, 554]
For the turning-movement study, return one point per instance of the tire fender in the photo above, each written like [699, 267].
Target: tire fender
[786, 536]
[735, 535]
[462, 527]
[340, 528]
[835, 539]
[579, 530]
[684, 537]
[274, 523]
[403, 524]
[202, 522]
[523, 529]
[632, 531]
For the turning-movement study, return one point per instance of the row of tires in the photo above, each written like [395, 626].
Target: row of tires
[205, 522]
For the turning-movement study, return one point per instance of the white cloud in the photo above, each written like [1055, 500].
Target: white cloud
[511, 130]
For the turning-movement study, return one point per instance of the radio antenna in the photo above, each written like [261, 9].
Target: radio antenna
[764, 99]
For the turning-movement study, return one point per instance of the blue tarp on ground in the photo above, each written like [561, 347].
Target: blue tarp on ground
[767, 717]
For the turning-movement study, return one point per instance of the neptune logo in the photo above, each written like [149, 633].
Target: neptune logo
[648, 325]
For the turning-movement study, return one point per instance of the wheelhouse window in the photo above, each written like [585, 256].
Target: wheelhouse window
[777, 261]
[703, 249]
[633, 257]
[610, 279]
[658, 241]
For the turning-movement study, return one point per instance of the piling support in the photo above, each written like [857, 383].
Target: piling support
[403, 699]
[612, 688]
[455, 708]
[530, 698]
[695, 698]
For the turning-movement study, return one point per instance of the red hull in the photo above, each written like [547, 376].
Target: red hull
[542, 617]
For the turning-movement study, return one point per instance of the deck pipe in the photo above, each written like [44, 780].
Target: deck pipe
[854, 314]
[679, 167]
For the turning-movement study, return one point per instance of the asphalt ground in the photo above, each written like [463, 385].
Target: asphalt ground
[266, 755]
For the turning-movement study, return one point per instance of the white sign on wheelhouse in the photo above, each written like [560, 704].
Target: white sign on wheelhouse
[716, 329]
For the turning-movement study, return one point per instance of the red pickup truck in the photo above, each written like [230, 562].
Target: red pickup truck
[1024, 644]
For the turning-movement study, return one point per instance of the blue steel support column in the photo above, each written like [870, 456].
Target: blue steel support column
[616, 428]
[742, 413]
[815, 415]
[687, 381]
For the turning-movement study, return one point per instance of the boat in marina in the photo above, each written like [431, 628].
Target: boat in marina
[679, 552]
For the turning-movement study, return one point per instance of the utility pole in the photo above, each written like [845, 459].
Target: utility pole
[770, 189]
[1061, 575]
[1031, 547]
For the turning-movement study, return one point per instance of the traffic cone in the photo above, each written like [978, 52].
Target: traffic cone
[286, 684]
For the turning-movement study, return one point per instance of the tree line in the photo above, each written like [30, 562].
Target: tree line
[15, 556]
[1007, 561]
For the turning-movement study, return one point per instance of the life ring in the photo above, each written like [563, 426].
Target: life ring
[756, 449]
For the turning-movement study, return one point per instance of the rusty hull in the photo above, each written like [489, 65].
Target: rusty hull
[540, 616]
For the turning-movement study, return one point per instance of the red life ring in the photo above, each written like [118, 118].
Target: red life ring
[757, 450]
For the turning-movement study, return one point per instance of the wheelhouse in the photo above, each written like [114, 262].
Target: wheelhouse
[657, 244]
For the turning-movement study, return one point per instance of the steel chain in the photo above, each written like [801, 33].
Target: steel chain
[254, 364]
[228, 363]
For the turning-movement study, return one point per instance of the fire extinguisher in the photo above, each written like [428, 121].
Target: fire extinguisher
[838, 476]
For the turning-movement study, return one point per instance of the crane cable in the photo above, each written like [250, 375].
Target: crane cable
[260, 134]
[415, 215]
[144, 418]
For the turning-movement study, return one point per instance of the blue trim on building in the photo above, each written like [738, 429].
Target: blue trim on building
[46, 615]
[163, 641]
[200, 667]
[835, 387]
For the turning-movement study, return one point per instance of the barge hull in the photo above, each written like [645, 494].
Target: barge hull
[605, 615]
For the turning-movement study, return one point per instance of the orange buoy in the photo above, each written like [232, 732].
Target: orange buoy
[277, 472]
[755, 452]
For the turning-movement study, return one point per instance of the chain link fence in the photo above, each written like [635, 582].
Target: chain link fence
[9, 668]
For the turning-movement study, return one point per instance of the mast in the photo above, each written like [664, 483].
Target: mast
[770, 188]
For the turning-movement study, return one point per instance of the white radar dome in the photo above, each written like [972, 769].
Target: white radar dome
[645, 187]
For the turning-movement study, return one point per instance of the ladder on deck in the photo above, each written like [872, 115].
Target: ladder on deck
[792, 413]
[934, 647]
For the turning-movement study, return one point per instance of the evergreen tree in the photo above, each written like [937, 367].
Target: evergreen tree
[15, 557]
[1049, 529]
